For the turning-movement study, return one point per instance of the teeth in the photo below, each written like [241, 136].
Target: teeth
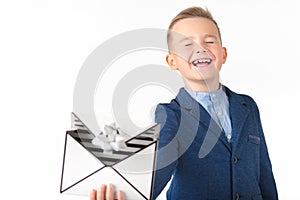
[206, 60]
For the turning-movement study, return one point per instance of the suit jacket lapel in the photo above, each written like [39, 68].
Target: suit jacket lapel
[238, 113]
[198, 111]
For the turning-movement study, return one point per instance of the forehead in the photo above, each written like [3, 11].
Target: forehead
[195, 27]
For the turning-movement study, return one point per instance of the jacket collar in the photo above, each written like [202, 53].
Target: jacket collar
[237, 107]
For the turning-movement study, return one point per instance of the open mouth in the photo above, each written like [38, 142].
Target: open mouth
[202, 62]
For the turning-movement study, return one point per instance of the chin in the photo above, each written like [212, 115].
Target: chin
[207, 73]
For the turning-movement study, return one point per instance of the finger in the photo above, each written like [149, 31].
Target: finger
[93, 193]
[120, 195]
[101, 192]
[110, 192]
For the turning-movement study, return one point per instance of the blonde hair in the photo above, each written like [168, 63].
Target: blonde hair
[191, 13]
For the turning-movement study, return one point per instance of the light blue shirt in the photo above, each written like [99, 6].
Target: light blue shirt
[217, 105]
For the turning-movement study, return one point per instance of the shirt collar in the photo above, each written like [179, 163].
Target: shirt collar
[206, 96]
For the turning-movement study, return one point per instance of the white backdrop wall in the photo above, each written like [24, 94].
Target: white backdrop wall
[43, 44]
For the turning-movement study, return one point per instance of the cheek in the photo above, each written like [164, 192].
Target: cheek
[184, 54]
[182, 61]
[219, 56]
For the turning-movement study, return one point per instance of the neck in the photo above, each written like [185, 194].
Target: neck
[202, 86]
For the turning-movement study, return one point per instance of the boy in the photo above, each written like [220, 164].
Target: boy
[211, 141]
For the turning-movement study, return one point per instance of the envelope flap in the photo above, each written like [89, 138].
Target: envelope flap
[106, 175]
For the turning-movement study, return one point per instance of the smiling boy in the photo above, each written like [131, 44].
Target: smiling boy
[211, 140]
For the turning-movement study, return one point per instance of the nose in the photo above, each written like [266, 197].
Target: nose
[200, 50]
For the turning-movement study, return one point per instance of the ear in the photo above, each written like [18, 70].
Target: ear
[224, 50]
[171, 61]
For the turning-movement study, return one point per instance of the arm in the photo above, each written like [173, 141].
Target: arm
[267, 182]
[167, 154]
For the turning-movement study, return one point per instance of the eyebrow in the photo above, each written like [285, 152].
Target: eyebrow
[184, 39]
[192, 38]
[209, 35]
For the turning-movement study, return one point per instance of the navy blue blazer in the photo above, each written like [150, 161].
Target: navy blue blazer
[203, 163]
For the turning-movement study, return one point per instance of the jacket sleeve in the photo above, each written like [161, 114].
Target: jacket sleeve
[267, 182]
[167, 155]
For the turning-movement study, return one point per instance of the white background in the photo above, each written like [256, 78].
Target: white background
[44, 43]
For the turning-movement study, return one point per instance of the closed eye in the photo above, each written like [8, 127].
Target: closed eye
[189, 44]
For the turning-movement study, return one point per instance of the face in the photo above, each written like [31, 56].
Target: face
[196, 50]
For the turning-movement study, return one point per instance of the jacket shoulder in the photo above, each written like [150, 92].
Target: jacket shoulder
[167, 111]
[172, 106]
[243, 98]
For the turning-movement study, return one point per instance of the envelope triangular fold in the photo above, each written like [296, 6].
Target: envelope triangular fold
[78, 164]
[107, 175]
[86, 166]
[138, 169]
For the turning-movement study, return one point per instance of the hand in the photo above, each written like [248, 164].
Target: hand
[105, 193]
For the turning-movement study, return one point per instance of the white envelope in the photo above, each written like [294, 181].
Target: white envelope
[86, 166]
